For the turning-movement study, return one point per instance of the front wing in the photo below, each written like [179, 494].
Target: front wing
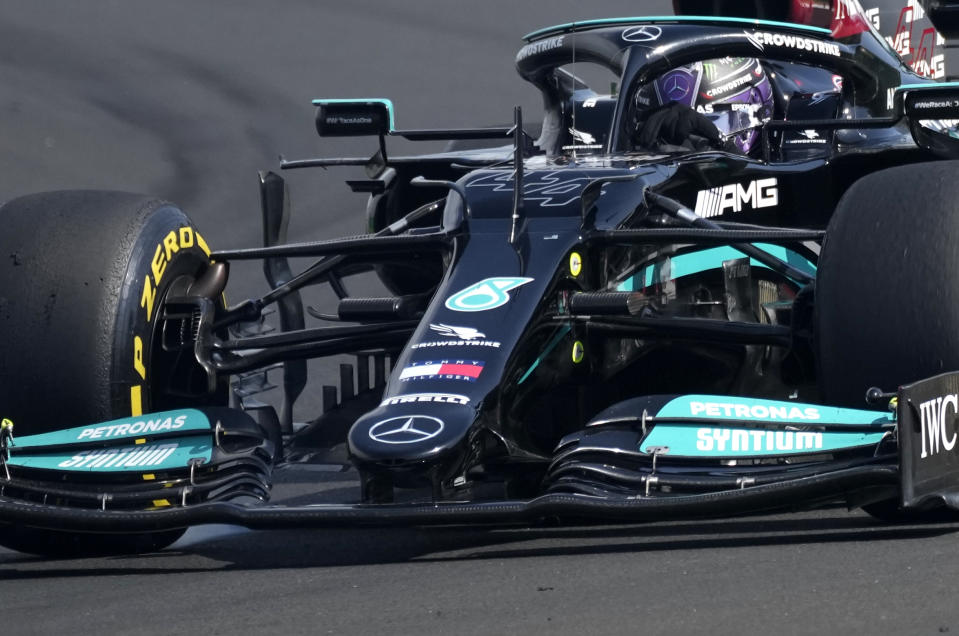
[924, 475]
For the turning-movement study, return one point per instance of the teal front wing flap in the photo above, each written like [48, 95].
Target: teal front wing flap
[782, 427]
[142, 426]
[725, 407]
[686, 440]
[703, 260]
[167, 454]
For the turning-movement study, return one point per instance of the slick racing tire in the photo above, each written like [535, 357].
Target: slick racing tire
[82, 279]
[887, 290]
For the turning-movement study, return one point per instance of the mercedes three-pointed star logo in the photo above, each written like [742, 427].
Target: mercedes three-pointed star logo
[642, 34]
[406, 429]
[677, 86]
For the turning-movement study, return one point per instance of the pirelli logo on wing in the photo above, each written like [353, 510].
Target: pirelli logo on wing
[736, 197]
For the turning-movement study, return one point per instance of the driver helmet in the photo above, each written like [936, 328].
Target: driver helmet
[732, 92]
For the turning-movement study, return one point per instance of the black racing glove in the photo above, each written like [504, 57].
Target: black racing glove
[677, 125]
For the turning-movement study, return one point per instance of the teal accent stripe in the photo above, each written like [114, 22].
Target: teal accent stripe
[728, 407]
[549, 347]
[360, 100]
[795, 431]
[712, 258]
[116, 431]
[585, 24]
[930, 85]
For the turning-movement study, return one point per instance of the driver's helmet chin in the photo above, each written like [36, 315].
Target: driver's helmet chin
[733, 92]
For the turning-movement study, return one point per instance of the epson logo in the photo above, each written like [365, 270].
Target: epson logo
[734, 197]
[751, 109]
[738, 440]
[934, 414]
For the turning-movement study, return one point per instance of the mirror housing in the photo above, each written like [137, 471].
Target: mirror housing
[353, 117]
[932, 111]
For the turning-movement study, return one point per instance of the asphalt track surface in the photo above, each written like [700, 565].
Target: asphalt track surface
[187, 99]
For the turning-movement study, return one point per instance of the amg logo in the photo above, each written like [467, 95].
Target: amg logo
[761, 193]
[739, 440]
[933, 417]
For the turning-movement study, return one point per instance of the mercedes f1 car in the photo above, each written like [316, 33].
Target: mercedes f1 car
[655, 309]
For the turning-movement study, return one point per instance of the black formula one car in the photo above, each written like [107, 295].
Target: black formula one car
[729, 286]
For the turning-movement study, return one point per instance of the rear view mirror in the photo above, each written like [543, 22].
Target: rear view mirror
[933, 114]
[353, 117]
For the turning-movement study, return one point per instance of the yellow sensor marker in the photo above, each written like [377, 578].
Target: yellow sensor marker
[575, 264]
[141, 440]
[148, 477]
[160, 503]
[6, 441]
[136, 401]
[579, 352]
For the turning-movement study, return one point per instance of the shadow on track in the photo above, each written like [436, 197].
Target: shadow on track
[239, 550]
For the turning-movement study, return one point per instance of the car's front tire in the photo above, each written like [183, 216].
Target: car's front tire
[82, 278]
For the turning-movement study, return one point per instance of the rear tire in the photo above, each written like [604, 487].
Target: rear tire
[82, 278]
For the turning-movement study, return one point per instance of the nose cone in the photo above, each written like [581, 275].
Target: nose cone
[411, 433]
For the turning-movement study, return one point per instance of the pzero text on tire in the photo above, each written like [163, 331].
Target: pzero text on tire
[80, 285]
[82, 280]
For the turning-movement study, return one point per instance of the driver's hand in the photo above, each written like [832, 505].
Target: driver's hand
[677, 125]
